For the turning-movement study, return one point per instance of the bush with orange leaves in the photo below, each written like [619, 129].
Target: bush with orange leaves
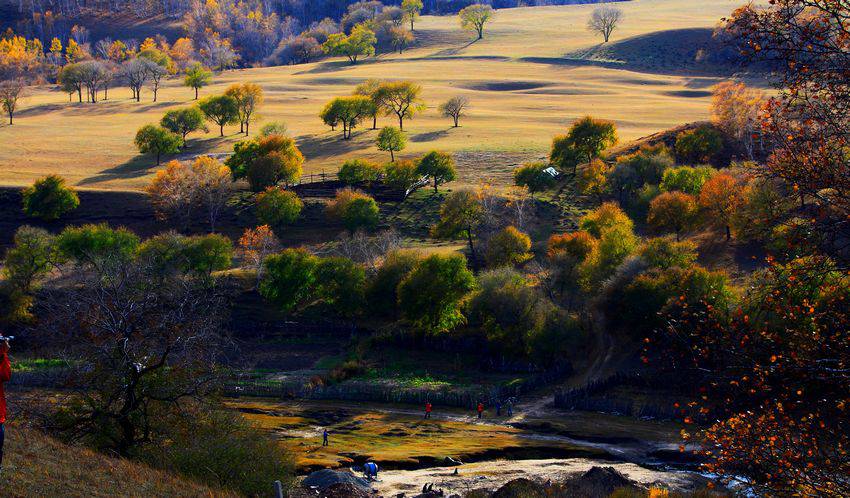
[179, 188]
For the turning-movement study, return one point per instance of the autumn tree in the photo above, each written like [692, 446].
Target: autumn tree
[720, 197]
[508, 247]
[49, 198]
[135, 73]
[391, 139]
[178, 188]
[700, 145]
[454, 108]
[355, 209]
[276, 207]
[585, 141]
[249, 97]
[213, 184]
[158, 141]
[356, 171]
[184, 121]
[266, 161]
[604, 20]
[197, 77]
[11, 92]
[686, 179]
[412, 9]
[255, 245]
[736, 109]
[439, 166]
[370, 88]
[460, 215]
[474, 17]
[593, 179]
[400, 38]
[673, 211]
[401, 174]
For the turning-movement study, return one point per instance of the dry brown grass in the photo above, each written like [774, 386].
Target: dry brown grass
[37, 465]
[522, 90]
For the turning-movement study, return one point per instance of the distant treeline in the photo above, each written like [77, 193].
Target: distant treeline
[305, 11]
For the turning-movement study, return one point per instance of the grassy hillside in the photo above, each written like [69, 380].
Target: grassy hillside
[37, 465]
[523, 80]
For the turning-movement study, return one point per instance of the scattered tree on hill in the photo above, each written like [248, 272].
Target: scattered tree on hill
[155, 75]
[348, 111]
[184, 121]
[454, 108]
[266, 161]
[400, 38]
[593, 179]
[221, 110]
[460, 215]
[341, 283]
[720, 197]
[412, 9]
[431, 294]
[273, 128]
[11, 92]
[49, 198]
[402, 98]
[277, 207]
[29, 259]
[534, 177]
[700, 145]
[71, 81]
[624, 180]
[178, 188]
[439, 166]
[508, 247]
[248, 97]
[157, 140]
[604, 20]
[382, 291]
[360, 43]
[356, 171]
[391, 139]
[197, 77]
[603, 218]
[135, 73]
[586, 140]
[214, 184]
[649, 162]
[474, 17]
[371, 88]
[673, 211]
[566, 252]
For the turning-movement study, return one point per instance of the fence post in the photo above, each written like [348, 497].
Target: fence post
[278, 489]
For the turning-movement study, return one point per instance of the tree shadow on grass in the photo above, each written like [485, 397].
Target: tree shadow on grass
[429, 136]
[332, 144]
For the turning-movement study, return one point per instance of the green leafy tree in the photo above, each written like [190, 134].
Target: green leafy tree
[371, 88]
[356, 171]
[401, 174]
[400, 98]
[360, 43]
[197, 77]
[439, 166]
[412, 9]
[206, 254]
[354, 209]
[277, 207]
[341, 283]
[266, 161]
[221, 110]
[673, 211]
[686, 179]
[430, 296]
[508, 247]
[49, 198]
[289, 278]
[97, 245]
[391, 139]
[30, 258]
[348, 111]
[158, 141]
[700, 145]
[474, 17]
[382, 292]
[585, 141]
[460, 215]
[534, 177]
[649, 162]
[184, 121]
[616, 244]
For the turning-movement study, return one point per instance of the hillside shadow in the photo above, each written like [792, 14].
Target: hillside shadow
[451, 50]
[429, 136]
[336, 66]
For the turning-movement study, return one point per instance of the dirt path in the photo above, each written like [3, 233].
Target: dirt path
[492, 474]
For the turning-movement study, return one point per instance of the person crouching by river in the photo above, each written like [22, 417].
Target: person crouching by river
[5, 375]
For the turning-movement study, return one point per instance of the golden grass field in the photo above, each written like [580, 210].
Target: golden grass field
[522, 88]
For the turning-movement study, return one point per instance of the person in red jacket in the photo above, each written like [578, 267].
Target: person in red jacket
[428, 408]
[5, 375]
[480, 409]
